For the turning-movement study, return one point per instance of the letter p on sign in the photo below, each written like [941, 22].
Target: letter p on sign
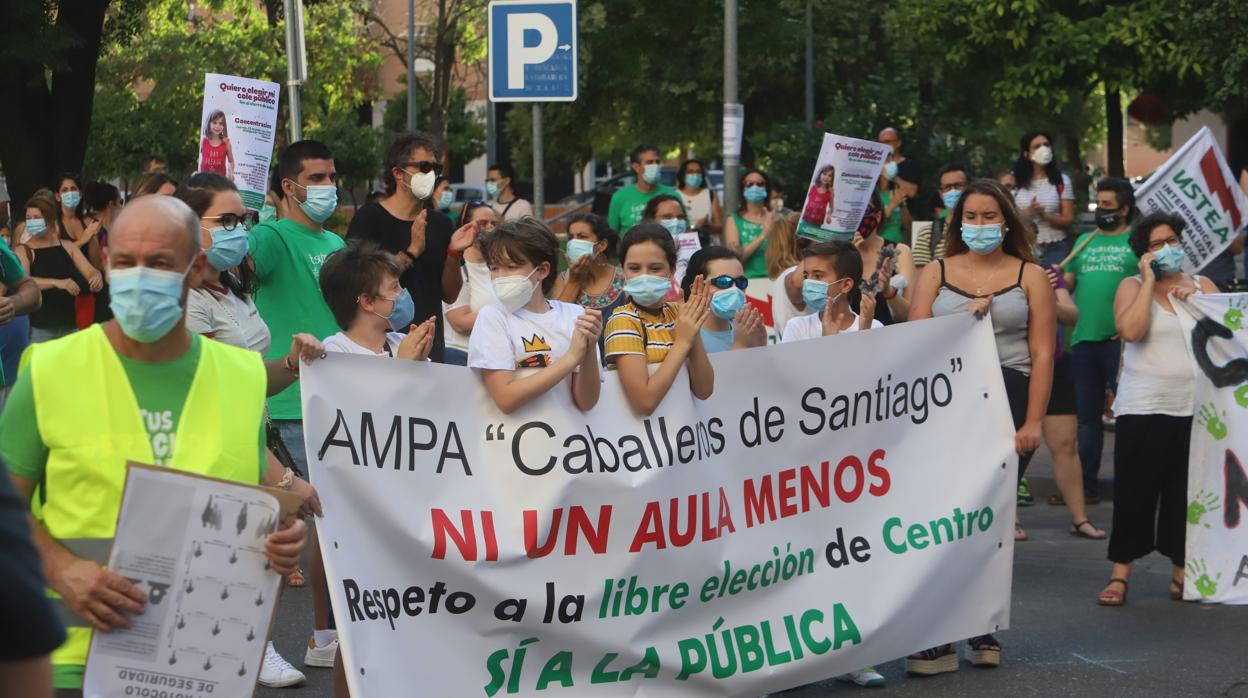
[533, 51]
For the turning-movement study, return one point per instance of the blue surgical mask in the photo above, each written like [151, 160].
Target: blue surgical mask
[890, 171]
[146, 302]
[445, 201]
[268, 213]
[755, 194]
[693, 180]
[727, 302]
[491, 190]
[36, 226]
[321, 201]
[982, 239]
[815, 294]
[648, 290]
[675, 226]
[578, 249]
[70, 199]
[950, 198]
[228, 248]
[403, 313]
[1170, 258]
[650, 173]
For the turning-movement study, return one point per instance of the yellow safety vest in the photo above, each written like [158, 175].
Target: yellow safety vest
[89, 420]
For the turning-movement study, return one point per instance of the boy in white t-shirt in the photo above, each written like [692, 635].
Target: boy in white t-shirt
[526, 345]
[360, 284]
[830, 275]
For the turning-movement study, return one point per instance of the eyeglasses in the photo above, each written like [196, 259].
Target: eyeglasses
[1156, 245]
[425, 166]
[726, 282]
[230, 221]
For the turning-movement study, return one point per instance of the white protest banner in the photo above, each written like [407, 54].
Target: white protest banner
[840, 187]
[239, 123]
[195, 546]
[1196, 184]
[806, 520]
[1217, 484]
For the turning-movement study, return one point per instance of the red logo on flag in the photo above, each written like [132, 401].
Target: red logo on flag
[1212, 171]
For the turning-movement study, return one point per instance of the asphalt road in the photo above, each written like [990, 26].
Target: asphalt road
[1061, 642]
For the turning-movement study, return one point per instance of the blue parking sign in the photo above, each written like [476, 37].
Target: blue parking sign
[532, 51]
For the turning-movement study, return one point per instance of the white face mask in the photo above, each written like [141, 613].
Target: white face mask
[1042, 155]
[422, 184]
[514, 291]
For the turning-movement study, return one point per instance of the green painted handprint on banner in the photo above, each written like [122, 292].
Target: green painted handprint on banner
[1233, 319]
[1241, 395]
[1212, 423]
[1205, 586]
[1203, 503]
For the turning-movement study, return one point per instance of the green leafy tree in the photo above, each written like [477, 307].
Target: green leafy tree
[465, 127]
[356, 146]
[150, 87]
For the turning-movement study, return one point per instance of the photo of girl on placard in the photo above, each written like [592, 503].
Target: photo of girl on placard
[215, 153]
[821, 201]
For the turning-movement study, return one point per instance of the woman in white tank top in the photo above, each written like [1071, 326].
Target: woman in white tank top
[701, 206]
[1154, 407]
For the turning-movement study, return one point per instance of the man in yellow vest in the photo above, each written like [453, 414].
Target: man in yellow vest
[142, 388]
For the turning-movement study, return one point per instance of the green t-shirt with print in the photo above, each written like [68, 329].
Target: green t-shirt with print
[628, 204]
[288, 259]
[160, 389]
[1099, 268]
[11, 272]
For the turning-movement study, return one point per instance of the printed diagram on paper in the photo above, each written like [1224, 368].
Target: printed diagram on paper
[196, 547]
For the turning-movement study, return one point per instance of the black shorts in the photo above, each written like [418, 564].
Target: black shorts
[1062, 395]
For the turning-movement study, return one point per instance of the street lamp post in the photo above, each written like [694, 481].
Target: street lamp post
[411, 65]
[731, 186]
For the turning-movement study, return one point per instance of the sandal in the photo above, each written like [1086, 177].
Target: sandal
[1056, 500]
[1112, 597]
[1176, 590]
[937, 660]
[985, 651]
[1019, 534]
[295, 578]
[1076, 530]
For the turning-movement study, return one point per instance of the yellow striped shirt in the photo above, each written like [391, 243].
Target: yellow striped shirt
[632, 330]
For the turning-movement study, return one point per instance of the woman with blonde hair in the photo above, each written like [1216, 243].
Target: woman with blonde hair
[783, 252]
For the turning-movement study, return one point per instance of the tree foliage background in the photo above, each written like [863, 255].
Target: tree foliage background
[962, 79]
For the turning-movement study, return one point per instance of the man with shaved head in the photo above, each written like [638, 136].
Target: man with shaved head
[139, 387]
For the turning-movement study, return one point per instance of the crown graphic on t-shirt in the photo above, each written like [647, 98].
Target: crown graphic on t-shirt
[535, 344]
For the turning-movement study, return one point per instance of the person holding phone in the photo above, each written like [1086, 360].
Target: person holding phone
[1155, 406]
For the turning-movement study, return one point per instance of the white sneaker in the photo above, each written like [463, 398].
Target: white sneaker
[863, 677]
[276, 672]
[321, 656]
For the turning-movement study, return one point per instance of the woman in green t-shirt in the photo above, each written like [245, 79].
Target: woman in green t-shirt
[746, 232]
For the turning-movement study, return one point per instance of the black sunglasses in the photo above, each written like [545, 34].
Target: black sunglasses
[425, 166]
[726, 282]
[230, 221]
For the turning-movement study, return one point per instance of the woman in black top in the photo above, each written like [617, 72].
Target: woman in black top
[59, 268]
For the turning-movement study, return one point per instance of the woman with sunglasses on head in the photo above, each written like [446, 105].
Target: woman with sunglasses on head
[406, 223]
[1154, 407]
[477, 290]
[887, 267]
[732, 323]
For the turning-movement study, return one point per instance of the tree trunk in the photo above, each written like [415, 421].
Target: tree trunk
[443, 68]
[1113, 131]
[44, 130]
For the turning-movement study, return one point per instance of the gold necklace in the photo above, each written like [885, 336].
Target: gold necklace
[979, 285]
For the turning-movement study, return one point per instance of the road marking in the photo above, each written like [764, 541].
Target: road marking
[1103, 663]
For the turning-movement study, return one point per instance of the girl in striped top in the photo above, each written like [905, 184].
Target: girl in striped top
[647, 332]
